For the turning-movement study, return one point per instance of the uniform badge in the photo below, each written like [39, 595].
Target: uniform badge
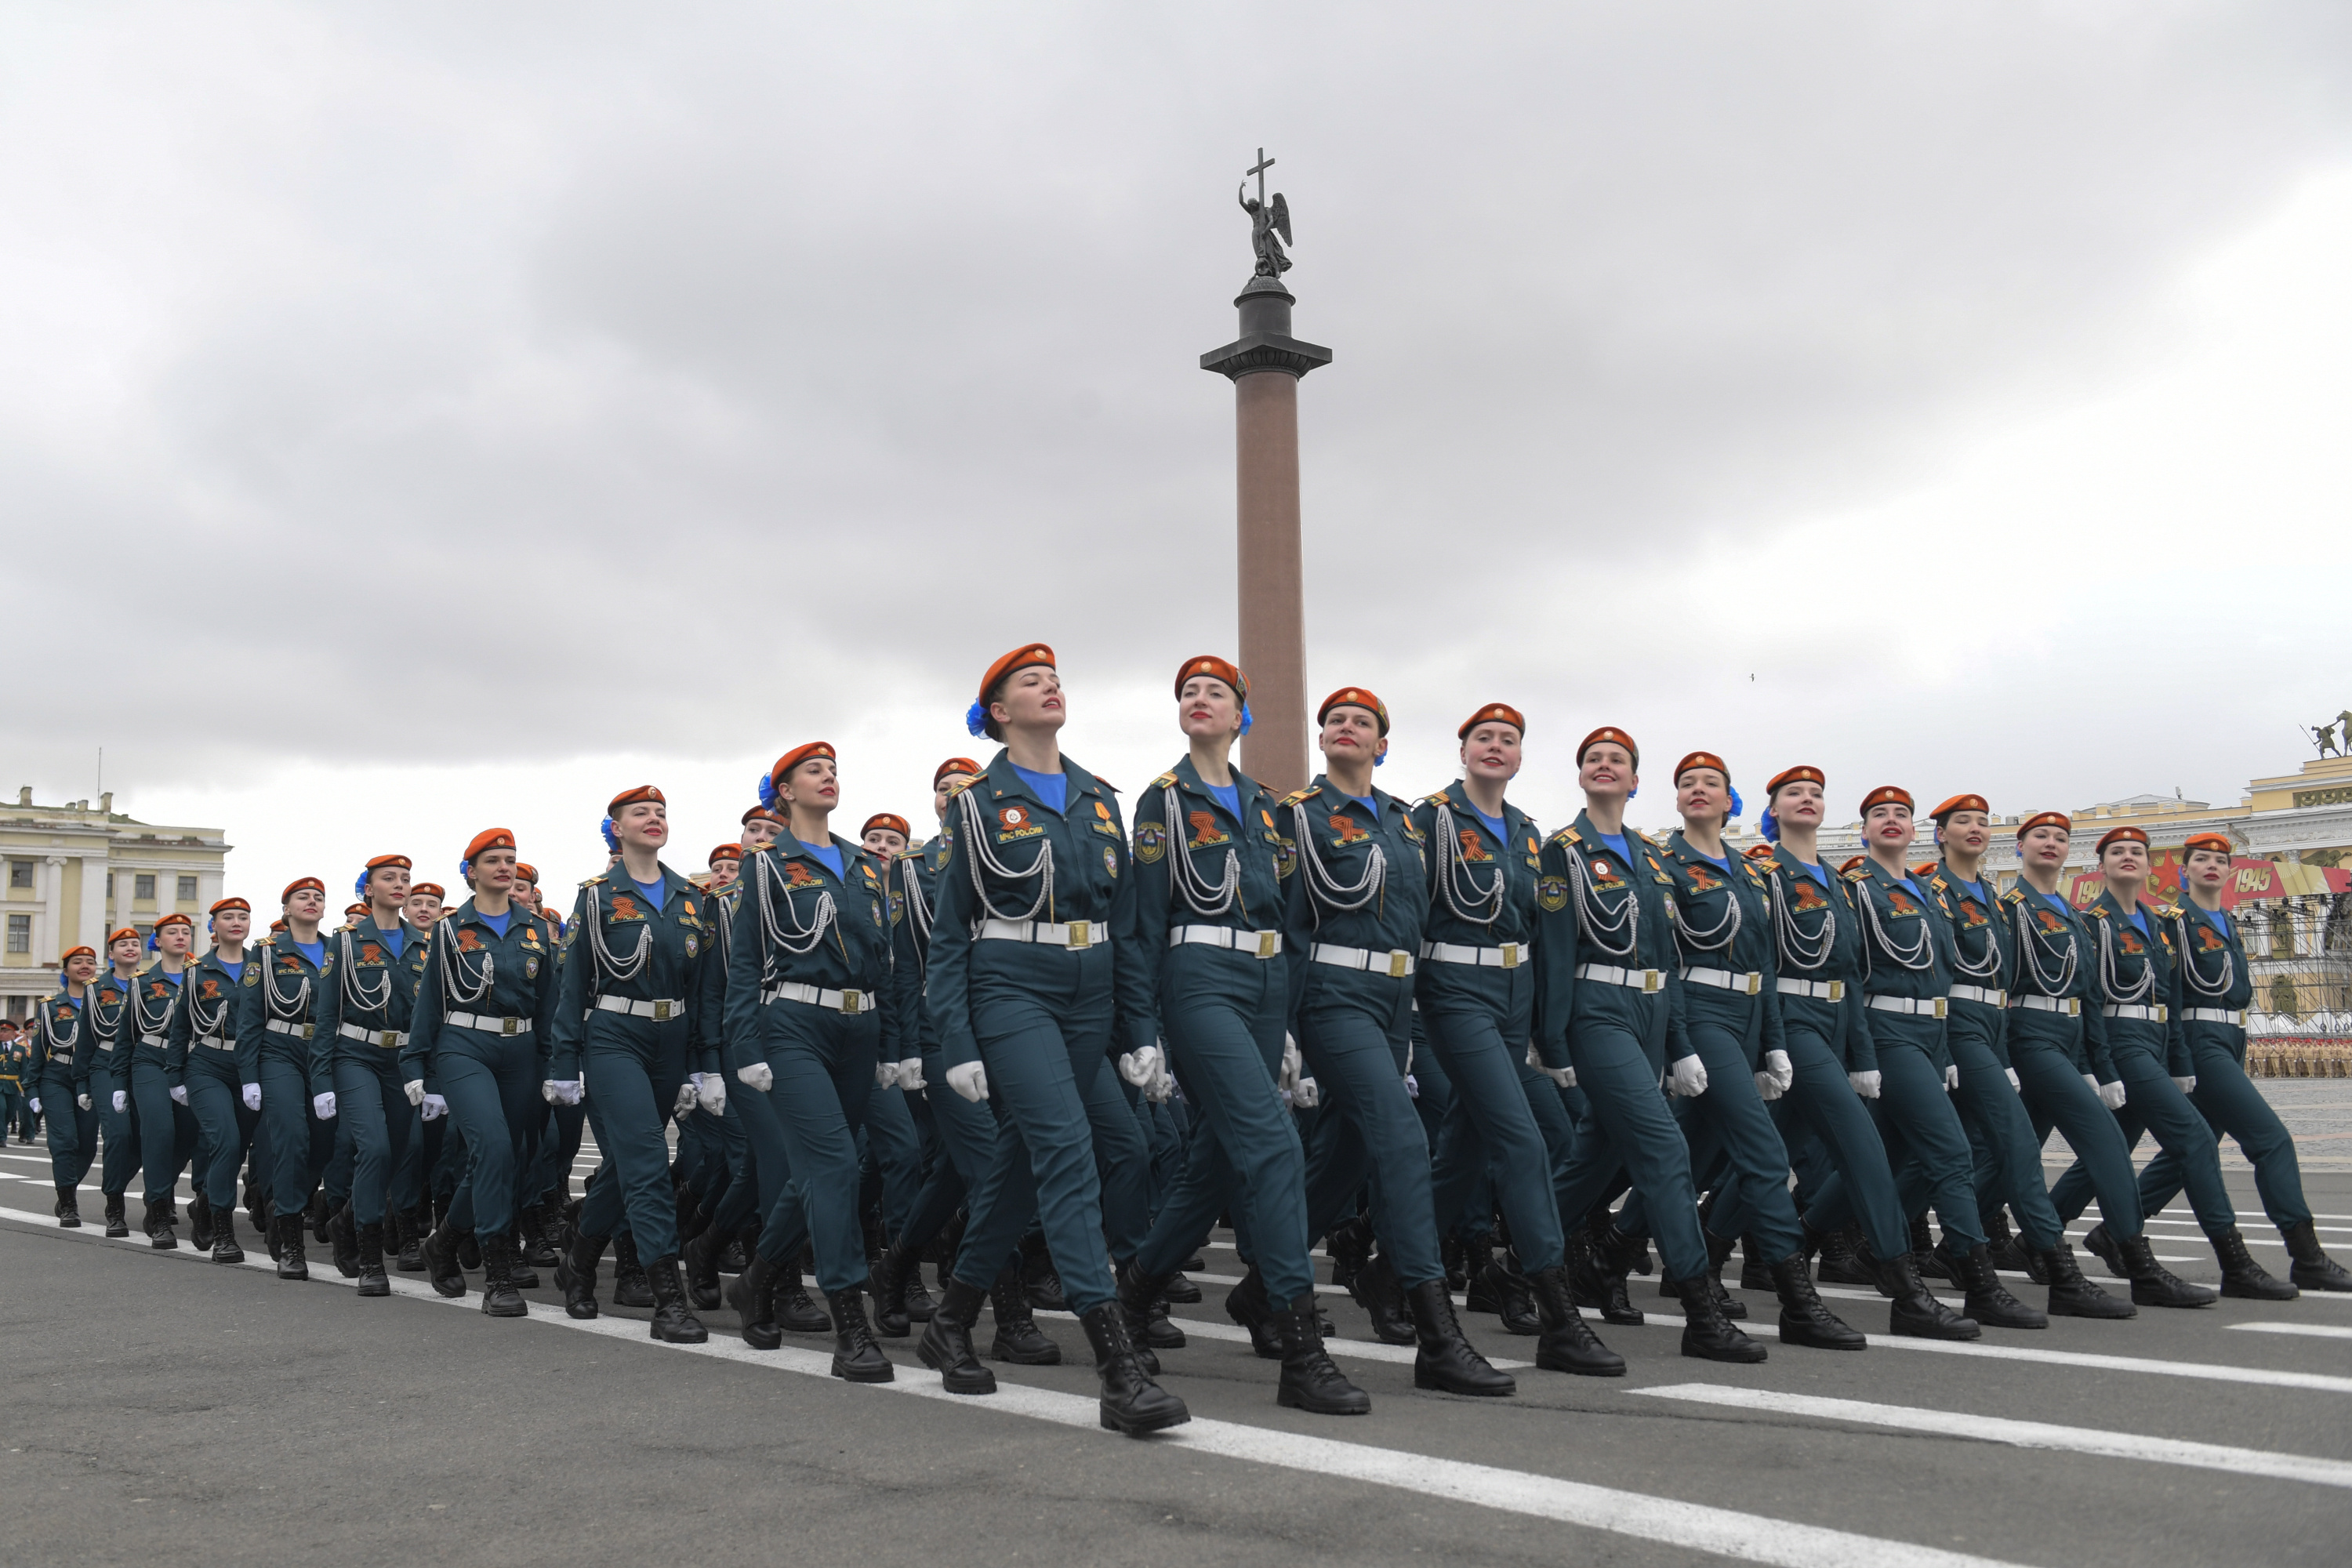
[1703, 879]
[1809, 895]
[2209, 940]
[370, 954]
[693, 944]
[1346, 831]
[1014, 822]
[625, 908]
[2050, 924]
[1267, 814]
[1206, 834]
[874, 907]
[1110, 862]
[1102, 811]
[1150, 842]
[530, 967]
[1551, 892]
[2131, 944]
[1900, 902]
[797, 874]
[253, 974]
[1473, 847]
[209, 990]
[1604, 872]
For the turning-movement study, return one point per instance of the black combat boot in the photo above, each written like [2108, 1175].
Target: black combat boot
[796, 1312]
[1718, 1253]
[1803, 1319]
[887, 1283]
[2314, 1269]
[2241, 1276]
[754, 1297]
[920, 1305]
[1916, 1311]
[575, 1276]
[2006, 1254]
[1989, 1302]
[415, 1225]
[441, 1266]
[1038, 1276]
[1381, 1294]
[1246, 1304]
[1449, 1253]
[316, 1211]
[2152, 1284]
[116, 1225]
[1155, 1331]
[1179, 1291]
[539, 1250]
[224, 1247]
[1922, 1252]
[372, 1279]
[630, 1287]
[470, 1252]
[1131, 1402]
[1478, 1262]
[1506, 1282]
[1018, 1341]
[500, 1297]
[1840, 1254]
[68, 1209]
[1568, 1343]
[200, 1221]
[159, 1227]
[1350, 1247]
[699, 1258]
[1447, 1362]
[2071, 1295]
[945, 1345]
[1310, 1380]
[343, 1240]
[856, 1357]
[1597, 1270]
[1707, 1334]
[1755, 1269]
[673, 1323]
[291, 1262]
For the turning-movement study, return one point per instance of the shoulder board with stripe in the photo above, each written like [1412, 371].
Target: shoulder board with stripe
[1566, 836]
[1164, 779]
[1925, 869]
[1295, 796]
[1855, 873]
[590, 881]
[1437, 799]
[2170, 911]
[2014, 896]
[956, 789]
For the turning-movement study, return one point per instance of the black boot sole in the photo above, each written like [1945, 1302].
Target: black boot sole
[1929, 1329]
[1431, 1382]
[2332, 1280]
[1749, 1353]
[2102, 1308]
[1354, 1403]
[2270, 1289]
[972, 1380]
[1798, 1331]
[695, 1336]
[1986, 1314]
[849, 1371]
[2162, 1295]
[496, 1305]
[373, 1284]
[1143, 1426]
[1019, 1355]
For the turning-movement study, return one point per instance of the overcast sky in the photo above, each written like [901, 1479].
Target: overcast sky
[420, 417]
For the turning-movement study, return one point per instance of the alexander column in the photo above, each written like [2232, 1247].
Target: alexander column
[1265, 363]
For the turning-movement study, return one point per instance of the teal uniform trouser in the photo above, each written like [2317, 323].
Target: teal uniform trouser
[2048, 1053]
[1933, 1161]
[967, 1134]
[767, 1162]
[2154, 1103]
[342, 1166]
[225, 1127]
[168, 1133]
[1223, 1013]
[1433, 1095]
[372, 1107]
[1042, 1018]
[897, 1147]
[1632, 1130]
[559, 1146]
[1492, 1123]
[632, 1069]
[300, 1145]
[2233, 1107]
[491, 1083]
[73, 1131]
[12, 1103]
[1354, 1033]
[1731, 1123]
[738, 1204]
[2008, 1156]
[1821, 1113]
[824, 1062]
[410, 1172]
[118, 1133]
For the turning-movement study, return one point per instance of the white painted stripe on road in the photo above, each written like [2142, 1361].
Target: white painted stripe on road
[1749, 1537]
[2313, 1330]
[2019, 1433]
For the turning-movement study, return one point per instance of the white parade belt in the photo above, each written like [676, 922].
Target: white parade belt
[2070, 1005]
[1749, 984]
[1396, 961]
[1266, 943]
[280, 1027]
[851, 1002]
[486, 1023]
[1984, 994]
[2215, 1016]
[1510, 955]
[2154, 1015]
[1076, 935]
[390, 1039]
[158, 1041]
[660, 1011]
[1633, 979]
[1821, 990]
[1916, 1007]
[217, 1042]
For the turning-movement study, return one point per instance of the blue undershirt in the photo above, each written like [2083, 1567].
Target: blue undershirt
[1368, 803]
[236, 972]
[1498, 827]
[393, 939]
[1722, 861]
[1054, 789]
[1616, 841]
[2218, 920]
[496, 922]
[1816, 870]
[827, 855]
[2059, 904]
[2139, 919]
[1976, 889]
[658, 888]
[1229, 797]
[316, 951]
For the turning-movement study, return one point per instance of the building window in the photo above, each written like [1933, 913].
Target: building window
[109, 884]
[20, 873]
[20, 933]
[142, 888]
[187, 889]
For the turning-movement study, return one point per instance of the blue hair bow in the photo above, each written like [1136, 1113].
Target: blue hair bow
[975, 719]
[359, 888]
[1246, 719]
[465, 869]
[151, 936]
[767, 793]
[611, 843]
[1770, 826]
[1737, 805]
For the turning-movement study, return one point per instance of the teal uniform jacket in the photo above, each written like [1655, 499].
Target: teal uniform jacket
[1359, 880]
[2137, 968]
[2053, 957]
[469, 968]
[1031, 864]
[798, 924]
[16, 1065]
[206, 1015]
[1902, 950]
[1599, 909]
[144, 1033]
[719, 920]
[621, 946]
[1817, 938]
[914, 894]
[1723, 920]
[1482, 893]
[275, 1018]
[1977, 938]
[2213, 973]
[1197, 864]
[106, 1066]
[374, 989]
[61, 1037]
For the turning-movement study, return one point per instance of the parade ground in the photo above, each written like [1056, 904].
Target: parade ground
[162, 1408]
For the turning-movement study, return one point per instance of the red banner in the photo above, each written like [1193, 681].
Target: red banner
[2249, 881]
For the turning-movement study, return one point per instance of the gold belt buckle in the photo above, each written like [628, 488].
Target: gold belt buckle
[1082, 934]
[387, 1038]
[1510, 955]
[851, 1002]
[507, 1026]
[661, 1012]
[1653, 980]
[2159, 1012]
[309, 1029]
[1755, 981]
[1399, 961]
[1837, 990]
[2073, 1007]
[1266, 939]
[1940, 1005]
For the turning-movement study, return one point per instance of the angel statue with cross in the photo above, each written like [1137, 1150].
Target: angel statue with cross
[1269, 224]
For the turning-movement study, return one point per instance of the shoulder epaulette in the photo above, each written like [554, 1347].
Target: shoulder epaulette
[2168, 911]
[592, 881]
[269, 941]
[1566, 836]
[1762, 854]
[1295, 796]
[956, 789]
[1164, 779]
[1437, 799]
[1925, 869]
[1854, 870]
[2014, 896]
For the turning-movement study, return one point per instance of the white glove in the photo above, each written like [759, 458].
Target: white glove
[1563, 1077]
[711, 1093]
[415, 1089]
[1292, 1065]
[910, 1074]
[561, 1090]
[759, 1075]
[1688, 1076]
[436, 1108]
[1768, 1088]
[685, 1101]
[179, 1096]
[1307, 1095]
[1865, 1084]
[122, 1101]
[2111, 1095]
[82, 1101]
[2015, 1082]
[322, 1106]
[1951, 1078]
[252, 1096]
[1412, 1084]
[968, 1079]
[885, 1075]
[1162, 1084]
[1783, 1070]
[2186, 1085]
[2092, 1081]
[1138, 1065]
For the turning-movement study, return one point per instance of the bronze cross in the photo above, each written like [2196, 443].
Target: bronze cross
[1259, 169]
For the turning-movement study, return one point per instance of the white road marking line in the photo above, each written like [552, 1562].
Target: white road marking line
[1751, 1537]
[2019, 1434]
[2314, 1331]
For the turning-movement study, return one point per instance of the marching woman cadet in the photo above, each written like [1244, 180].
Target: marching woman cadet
[634, 961]
[478, 1038]
[1025, 987]
[812, 999]
[62, 1036]
[2058, 1044]
[274, 1038]
[2150, 1052]
[1357, 901]
[106, 1070]
[2215, 988]
[1209, 862]
[1731, 1002]
[201, 1072]
[1479, 1006]
[894, 1140]
[362, 1021]
[1977, 944]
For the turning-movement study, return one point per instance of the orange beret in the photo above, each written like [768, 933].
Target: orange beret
[526, 872]
[890, 820]
[298, 884]
[1801, 773]
[1357, 696]
[73, 952]
[431, 889]
[118, 932]
[1757, 851]
[278, 925]
[1216, 668]
[1888, 794]
[1607, 733]
[796, 757]
[1961, 803]
[757, 814]
[631, 797]
[2122, 836]
[1492, 713]
[1702, 759]
[726, 852]
[380, 861]
[2044, 819]
[1852, 861]
[2220, 841]
[355, 909]
[953, 765]
[223, 907]
[1020, 657]
[489, 838]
